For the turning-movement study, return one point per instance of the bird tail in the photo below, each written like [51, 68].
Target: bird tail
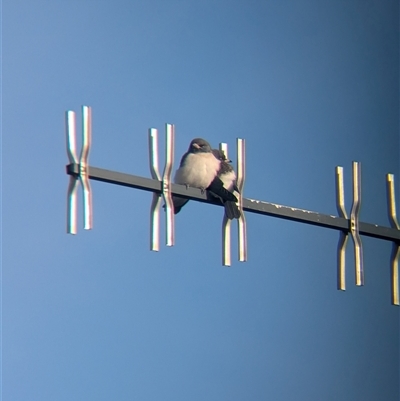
[231, 210]
[178, 203]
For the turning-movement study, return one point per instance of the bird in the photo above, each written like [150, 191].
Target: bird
[199, 169]
[227, 175]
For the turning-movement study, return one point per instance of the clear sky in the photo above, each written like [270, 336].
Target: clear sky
[310, 84]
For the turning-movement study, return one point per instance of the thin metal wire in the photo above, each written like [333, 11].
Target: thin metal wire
[166, 184]
[241, 175]
[156, 200]
[343, 236]
[395, 254]
[72, 194]
[226, 224]
[354, 224]
[84, 167]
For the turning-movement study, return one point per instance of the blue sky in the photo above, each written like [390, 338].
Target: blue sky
[310, 85]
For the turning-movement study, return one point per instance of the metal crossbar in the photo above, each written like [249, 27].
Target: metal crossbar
[249, 205]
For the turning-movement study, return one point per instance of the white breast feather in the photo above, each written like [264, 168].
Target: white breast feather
[198, 171]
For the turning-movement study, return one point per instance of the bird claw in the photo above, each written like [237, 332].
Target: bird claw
[202, 190]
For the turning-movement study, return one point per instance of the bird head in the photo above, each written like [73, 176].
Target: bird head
[199, 145]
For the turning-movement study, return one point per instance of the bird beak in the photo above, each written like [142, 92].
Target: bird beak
[195, 145]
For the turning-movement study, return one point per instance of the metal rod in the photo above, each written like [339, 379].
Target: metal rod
[153, 154]
[391, 201]
[241, 176]
[341, 261]
[354, 224]
[249, 205]
[166, 184]
[226, 241]
[156, 200]
[394, 276]
[72, 205]
[72, 195]
[395, 254]
[86, 134]
[340, 193]
[226, 224]
[343, 236]
[84, 167]
[155, 222]
[70, 129]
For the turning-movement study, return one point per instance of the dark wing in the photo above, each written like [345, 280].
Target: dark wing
[217, 189]
[227, 198]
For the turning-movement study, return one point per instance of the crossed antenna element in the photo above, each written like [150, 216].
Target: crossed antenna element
[82, 173]
[163, 189]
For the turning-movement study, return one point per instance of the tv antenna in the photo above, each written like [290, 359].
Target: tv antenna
[162, 188]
